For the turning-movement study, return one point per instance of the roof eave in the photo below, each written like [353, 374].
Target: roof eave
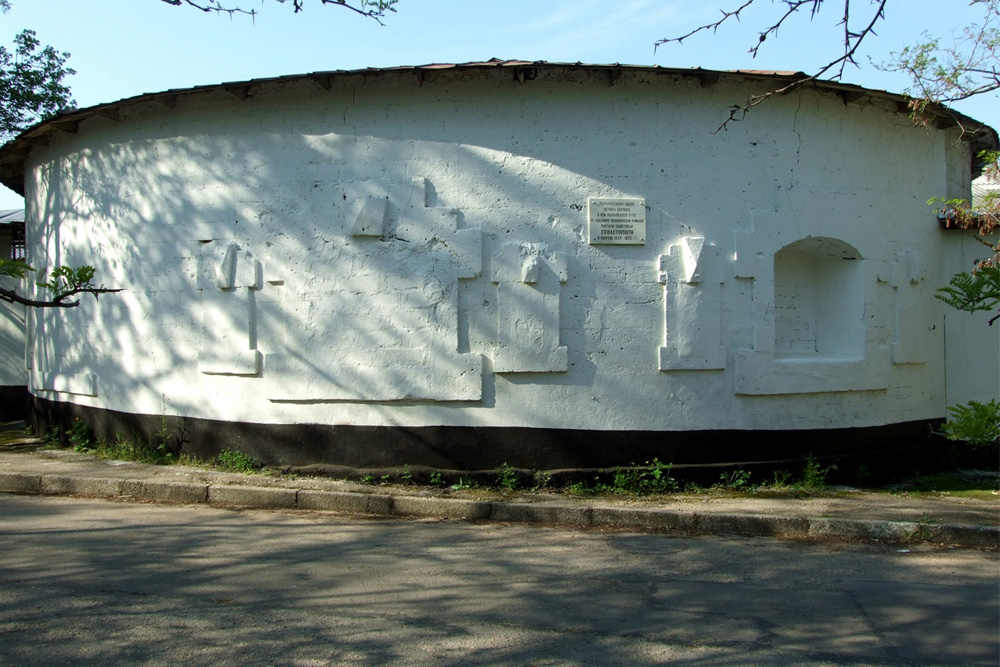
[14, 153]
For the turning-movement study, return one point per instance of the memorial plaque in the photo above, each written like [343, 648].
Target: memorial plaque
[620, 221]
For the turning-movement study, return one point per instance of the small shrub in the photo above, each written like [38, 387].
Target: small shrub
[367, 479]
[436, 479]
[52, 437]
[80, 436]
[405, 476]
[578, 489]
[236, 461]
[782, 478]
[464, 483]
[507, 477]
[814, 475]
[542, 478]
[737, 479]
[135, 448]
[976, 423]
[655, 478]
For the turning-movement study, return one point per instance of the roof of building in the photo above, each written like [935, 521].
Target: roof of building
[12, 215]
[15, 152]
[982, 187]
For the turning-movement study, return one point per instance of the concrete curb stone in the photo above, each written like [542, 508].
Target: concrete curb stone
[172, 492]
[987, 537]
[19, 482]
[527, 513]
[751, 524]
[252, 496]
[344, 501]
[643, 519]
[654, 519]
[98, 487]
[853, 529]
[444, 508]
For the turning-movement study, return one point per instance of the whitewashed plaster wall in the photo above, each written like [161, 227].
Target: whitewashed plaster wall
[12, 368]
[388, 253]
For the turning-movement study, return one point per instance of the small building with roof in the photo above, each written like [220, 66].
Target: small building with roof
[546, 265]
[13, 374]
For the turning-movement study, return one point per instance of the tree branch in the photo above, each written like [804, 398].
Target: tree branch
[711, 26]
[372, 9]
[852, 42]
[59, 301]
[64, 282]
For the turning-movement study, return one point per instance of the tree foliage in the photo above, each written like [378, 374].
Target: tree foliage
[974, 292]
[966, 67]
[64, 282]
[976, 423]
[31, 82]
[373, 9]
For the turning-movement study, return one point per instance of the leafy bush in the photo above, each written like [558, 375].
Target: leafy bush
[814, 475]
[236, 461]
[655, 478]
[80, 436]
[507, 477]
[976, 423]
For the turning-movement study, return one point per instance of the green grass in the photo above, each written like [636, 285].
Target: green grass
[129, 448]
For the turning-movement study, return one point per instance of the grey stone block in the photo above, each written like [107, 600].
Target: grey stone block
[527, 513]
[854, 529]
[252, 496]
[445, 508]
[753, 525]
[380, 505]
[81, 486]
[333, 501]
[175, 492]
[645, 519]
[967, 536]
[18, 482]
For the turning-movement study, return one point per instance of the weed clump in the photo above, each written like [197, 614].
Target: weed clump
[652, 478]
[507, 477]
[236, 461]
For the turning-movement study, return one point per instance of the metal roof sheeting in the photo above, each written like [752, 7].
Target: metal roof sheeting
[11, 216]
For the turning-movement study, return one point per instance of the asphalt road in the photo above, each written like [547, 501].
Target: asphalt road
[96, 582]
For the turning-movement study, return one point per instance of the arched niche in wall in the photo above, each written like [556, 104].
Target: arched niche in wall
[819, 300]
[820, 317]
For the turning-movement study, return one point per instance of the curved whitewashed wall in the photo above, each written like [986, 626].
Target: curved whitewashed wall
[392, 252]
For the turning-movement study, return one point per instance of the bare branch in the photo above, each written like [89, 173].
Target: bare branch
[852, 41]
[372, 9]
[853, 38]
[711, 26]
[793, 7]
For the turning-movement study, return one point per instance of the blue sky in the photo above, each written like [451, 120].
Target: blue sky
[122, 48]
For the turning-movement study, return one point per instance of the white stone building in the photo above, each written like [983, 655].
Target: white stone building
[550, 265]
